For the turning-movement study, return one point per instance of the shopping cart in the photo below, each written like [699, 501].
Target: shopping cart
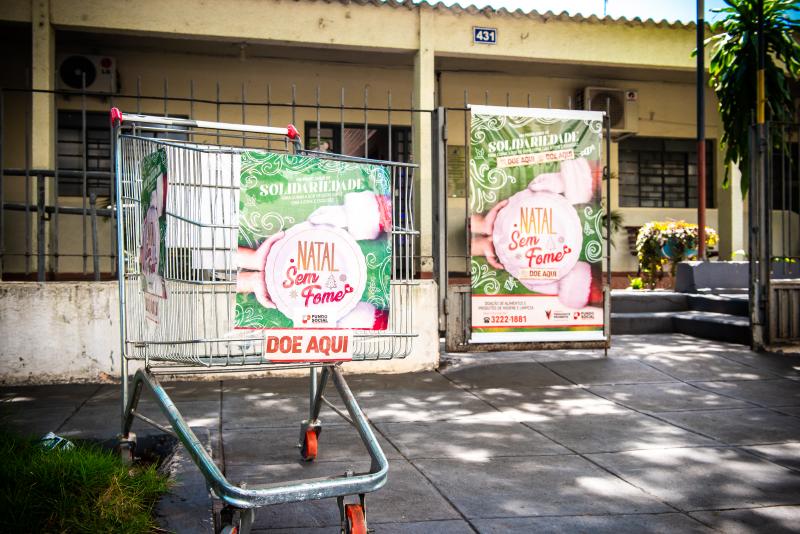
[194, 329]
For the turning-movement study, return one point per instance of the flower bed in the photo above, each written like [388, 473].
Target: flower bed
[666, 243]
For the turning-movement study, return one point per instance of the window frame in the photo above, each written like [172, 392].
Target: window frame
[662, 150]
[400, 134]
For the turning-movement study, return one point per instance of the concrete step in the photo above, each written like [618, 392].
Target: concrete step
[642, 323]
[737, 305]
[710, 325]
[703, 324]
[629, 301]
[722, 291]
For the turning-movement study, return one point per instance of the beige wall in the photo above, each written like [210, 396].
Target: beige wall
[369, 27]
[632, 54]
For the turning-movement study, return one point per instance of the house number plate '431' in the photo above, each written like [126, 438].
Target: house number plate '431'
[484, 35]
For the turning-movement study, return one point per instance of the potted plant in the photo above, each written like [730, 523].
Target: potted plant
[662, 243]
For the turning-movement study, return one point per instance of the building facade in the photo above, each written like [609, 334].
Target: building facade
[360, 77]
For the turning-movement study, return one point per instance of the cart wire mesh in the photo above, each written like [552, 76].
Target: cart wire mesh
[196, 321]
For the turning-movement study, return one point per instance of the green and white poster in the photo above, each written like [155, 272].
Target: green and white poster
[152, 252]
[315, 243]
[535, 221]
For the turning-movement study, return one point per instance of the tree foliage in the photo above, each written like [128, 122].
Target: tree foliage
[734, 67]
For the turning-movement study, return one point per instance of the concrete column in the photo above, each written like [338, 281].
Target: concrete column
[43, 68]
[424, 87]
[731, 213]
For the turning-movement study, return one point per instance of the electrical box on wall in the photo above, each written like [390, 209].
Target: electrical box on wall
[94, 73]
[622, 106]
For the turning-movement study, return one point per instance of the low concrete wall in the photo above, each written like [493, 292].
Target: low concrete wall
[58, 331]
[692, 276]
[69, 332]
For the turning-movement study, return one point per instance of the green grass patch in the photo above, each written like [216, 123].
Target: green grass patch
[84, 489]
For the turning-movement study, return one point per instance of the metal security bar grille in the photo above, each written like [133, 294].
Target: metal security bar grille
[662, 173]
[774, 224]
[58, 221]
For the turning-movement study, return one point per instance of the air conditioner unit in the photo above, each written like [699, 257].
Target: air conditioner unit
[622, 106]
[98, 73]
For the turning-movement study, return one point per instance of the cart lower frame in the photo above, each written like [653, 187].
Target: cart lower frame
[279, 493]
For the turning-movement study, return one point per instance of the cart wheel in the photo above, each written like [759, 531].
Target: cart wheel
[355, 522]
[309, 450]
[236, 521]
[126, 449]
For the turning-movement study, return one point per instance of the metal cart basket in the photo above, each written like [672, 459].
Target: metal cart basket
[195, 330]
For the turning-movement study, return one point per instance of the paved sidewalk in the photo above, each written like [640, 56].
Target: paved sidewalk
[669, 434]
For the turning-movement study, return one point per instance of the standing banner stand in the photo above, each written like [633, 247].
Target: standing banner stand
[536, 229]
[251, 258]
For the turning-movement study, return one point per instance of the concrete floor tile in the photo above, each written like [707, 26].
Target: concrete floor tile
[103, 421]
[705, 478]
[507, 375]
[188, 505]
[425, 381]
[607, 371]
[775, 520]
[617, 432]
[588, 524]
[468, 441]
[425, 527]
[535, 485]
[254, 386]
[407, 496]
[790, 410]
[63, 395]
[276, 402]
[778, 392]
[785, 454]
[785, 365]
[178, 391]
[300, 530]
[405, 405]
[543, 404]
[696, 367]
[34, 421]
[665, 397]
[272, 409]
[739, 426]
[639, 346]
[254, 446]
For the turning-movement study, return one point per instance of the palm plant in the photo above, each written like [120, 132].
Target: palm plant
[734, 66]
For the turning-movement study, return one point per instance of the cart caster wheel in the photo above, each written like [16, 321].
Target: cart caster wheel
[355, 521]
[236, 521]
[126, 449]
[309, 449]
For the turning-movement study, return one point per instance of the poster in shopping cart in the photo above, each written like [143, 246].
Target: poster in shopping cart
[152, 252]
[535, 222]
[315, 243]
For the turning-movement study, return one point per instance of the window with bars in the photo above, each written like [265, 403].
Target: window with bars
[785, 178]
[662, 173]
[350, 139]
[82, 148]
[88, 147]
